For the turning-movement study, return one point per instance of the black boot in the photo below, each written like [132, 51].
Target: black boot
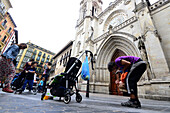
[132, 103]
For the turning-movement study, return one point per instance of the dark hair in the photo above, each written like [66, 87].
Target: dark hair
[111, 65]
[34, 63]
[49, 63]
[32, 60]
[23, 45]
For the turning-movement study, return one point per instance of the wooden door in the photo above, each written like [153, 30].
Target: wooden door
[114, 90]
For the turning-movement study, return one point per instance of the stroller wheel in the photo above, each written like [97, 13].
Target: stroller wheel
[78, 98]
[15, 92]
[20, 92]
[67, 99]
[34, 91]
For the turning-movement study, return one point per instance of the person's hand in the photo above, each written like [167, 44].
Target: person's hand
[121, 84]
[9, 60]
[117, 81]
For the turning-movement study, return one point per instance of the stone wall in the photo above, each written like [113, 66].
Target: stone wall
[152, 24]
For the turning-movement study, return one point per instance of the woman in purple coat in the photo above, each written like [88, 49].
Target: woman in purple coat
[135, 67]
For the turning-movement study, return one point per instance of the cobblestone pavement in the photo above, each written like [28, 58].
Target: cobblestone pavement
[97, 103]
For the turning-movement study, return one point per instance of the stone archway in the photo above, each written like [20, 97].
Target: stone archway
[108, 48]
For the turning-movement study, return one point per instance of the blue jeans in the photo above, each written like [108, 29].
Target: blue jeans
[30, 83]
[40, 88]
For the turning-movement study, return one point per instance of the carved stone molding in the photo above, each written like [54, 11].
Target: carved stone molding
[126, 2]
[158, 4]
[124, 24]
[101, 21]
[113, 5]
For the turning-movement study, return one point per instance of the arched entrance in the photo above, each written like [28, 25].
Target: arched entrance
[113, 46]
[113, 87]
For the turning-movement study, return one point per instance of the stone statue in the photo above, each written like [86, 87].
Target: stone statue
[141, 47]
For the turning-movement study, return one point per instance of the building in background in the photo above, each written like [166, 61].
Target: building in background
[7, 32]
[5, 5]
[60, 59]
[126, 28]
[35, 52]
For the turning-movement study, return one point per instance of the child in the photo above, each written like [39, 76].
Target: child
[40, 85]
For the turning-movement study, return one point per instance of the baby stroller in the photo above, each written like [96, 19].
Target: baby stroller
[35, 85]
[18, 82]
[62, 85]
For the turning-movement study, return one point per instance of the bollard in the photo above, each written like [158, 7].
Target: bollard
[87, 89]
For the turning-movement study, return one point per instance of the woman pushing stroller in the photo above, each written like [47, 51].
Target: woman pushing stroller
[132, 69]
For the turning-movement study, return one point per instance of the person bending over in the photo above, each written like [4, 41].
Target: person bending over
[132, 69]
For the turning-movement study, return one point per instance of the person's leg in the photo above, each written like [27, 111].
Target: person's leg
[10, 73]
[30, 82]
[44, 84]
[2, 74]
[40, 88]
[25, 83]
[132, 80]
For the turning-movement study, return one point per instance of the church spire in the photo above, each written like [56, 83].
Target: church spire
[90, 8]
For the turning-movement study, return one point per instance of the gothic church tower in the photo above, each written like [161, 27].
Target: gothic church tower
[89, 10]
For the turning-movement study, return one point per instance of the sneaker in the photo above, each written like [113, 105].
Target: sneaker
[132, 103]
[7, 90]
[30, 91]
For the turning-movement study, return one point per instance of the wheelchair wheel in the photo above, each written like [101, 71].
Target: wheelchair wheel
[78, 98]
[67, 99]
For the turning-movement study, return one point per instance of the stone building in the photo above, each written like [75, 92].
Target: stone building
[126, 27]
[60, 59]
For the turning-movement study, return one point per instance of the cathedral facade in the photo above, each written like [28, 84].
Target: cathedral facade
[126, 28]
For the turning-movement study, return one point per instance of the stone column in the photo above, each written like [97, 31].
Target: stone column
[153, 47]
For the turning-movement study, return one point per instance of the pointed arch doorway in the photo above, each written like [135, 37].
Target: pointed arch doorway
[114, 90]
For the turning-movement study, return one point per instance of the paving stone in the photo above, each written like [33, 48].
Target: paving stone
[97, 103]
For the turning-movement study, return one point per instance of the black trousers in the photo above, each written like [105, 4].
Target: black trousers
[45, 81]
[134, 75]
